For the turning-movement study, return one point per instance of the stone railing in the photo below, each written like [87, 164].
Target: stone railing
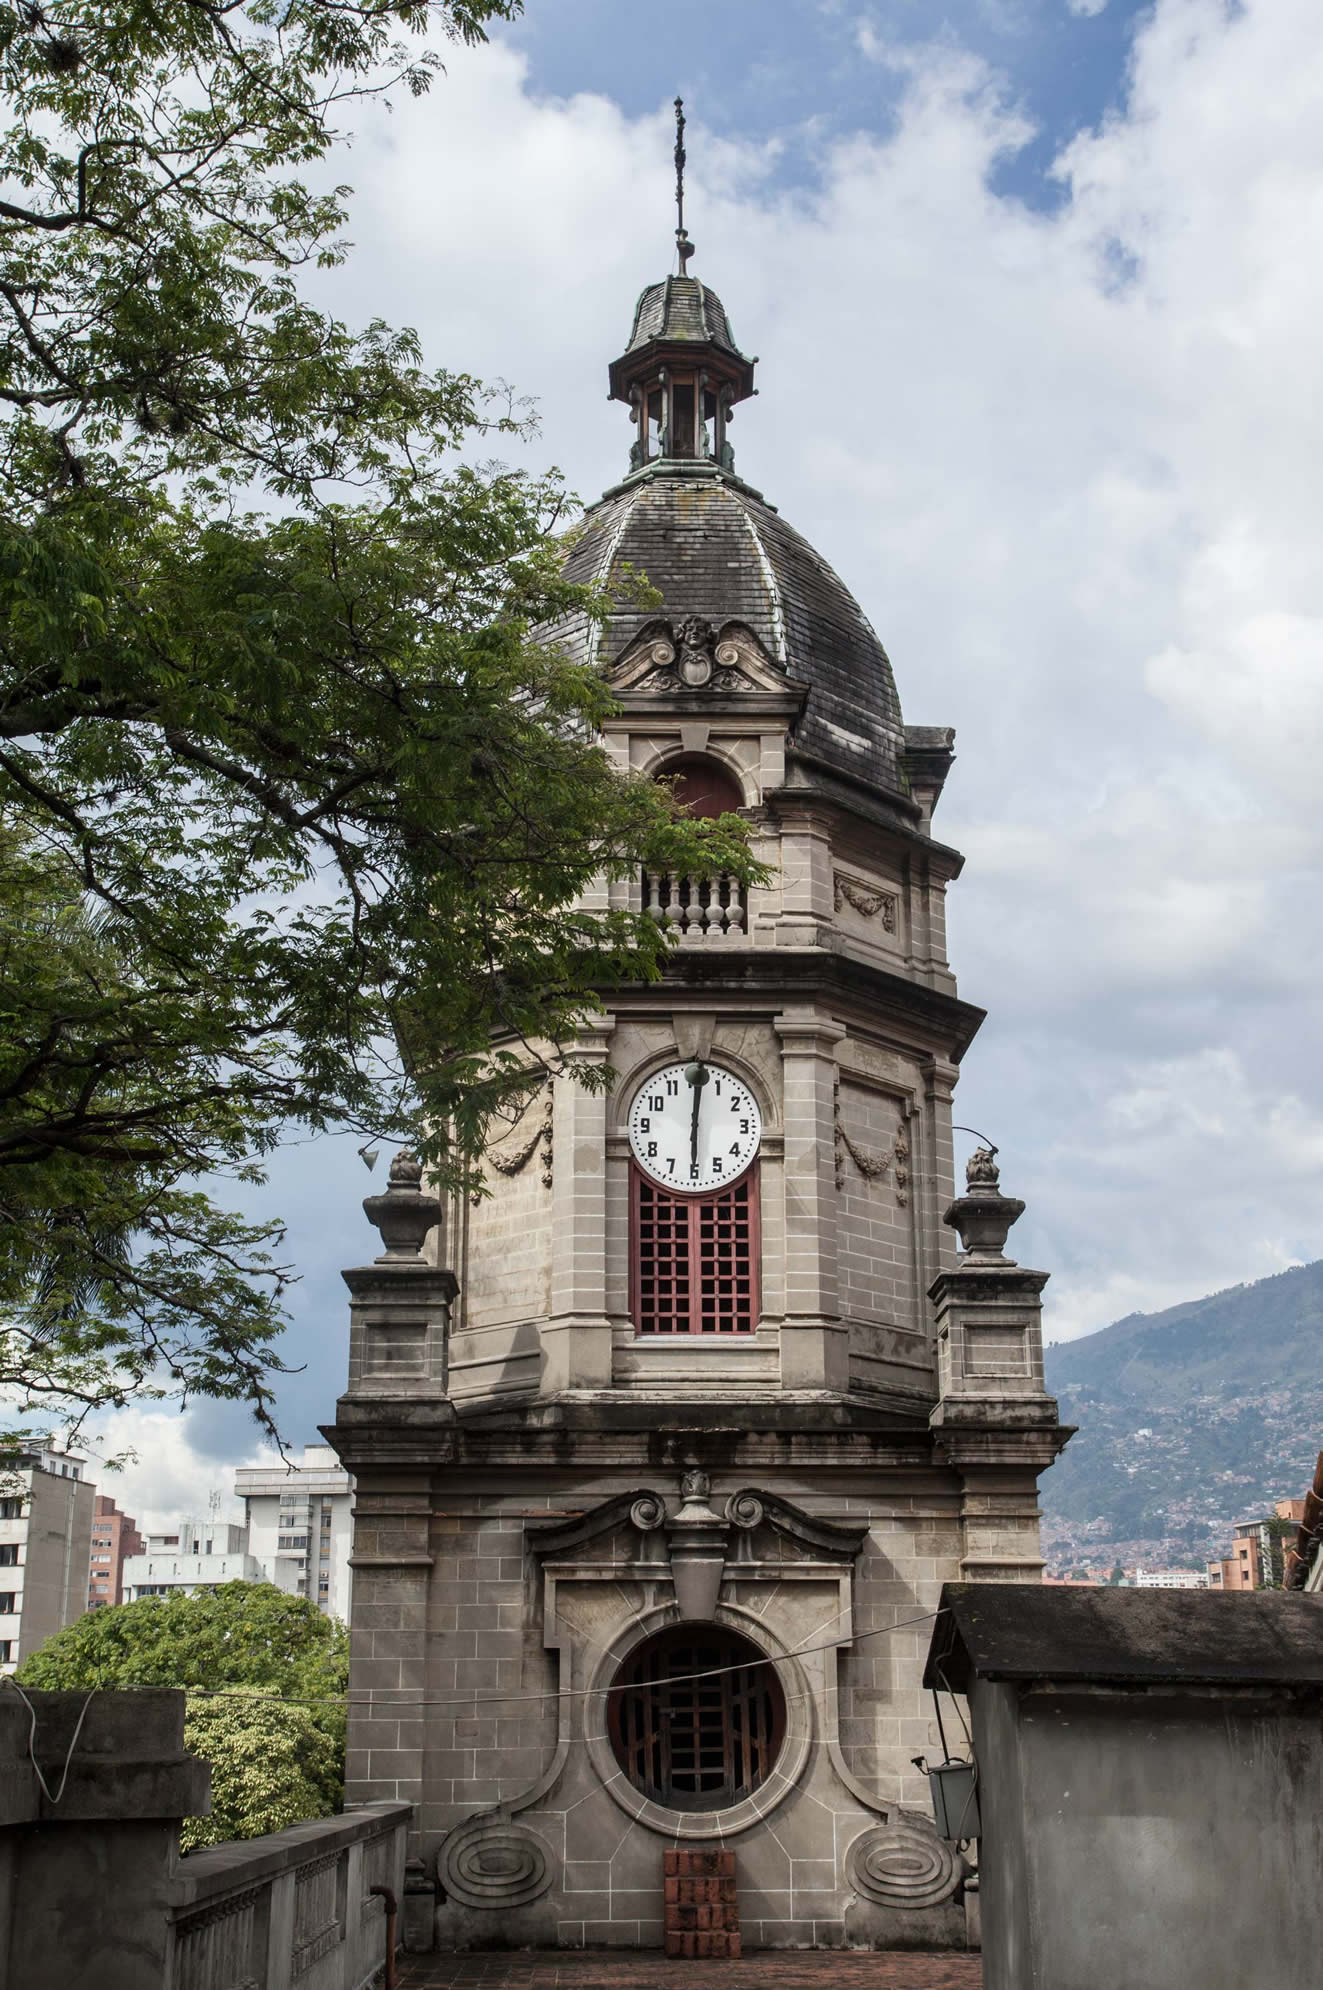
[696, 909]
[293, 1909]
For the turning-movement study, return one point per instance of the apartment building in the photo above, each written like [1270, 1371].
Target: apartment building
[300, 1526]
[115, 1537]
[45, 1543]
[1258, 1550]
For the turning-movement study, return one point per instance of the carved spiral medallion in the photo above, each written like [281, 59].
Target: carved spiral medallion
[903, 1863]
[492, 1863]
[648, 1512]
[744, 1509]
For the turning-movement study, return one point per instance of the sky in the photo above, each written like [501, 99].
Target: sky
[1036, 287]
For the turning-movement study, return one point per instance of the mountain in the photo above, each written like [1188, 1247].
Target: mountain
[1189, 1420]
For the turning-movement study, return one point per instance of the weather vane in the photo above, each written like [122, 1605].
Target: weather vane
[684, 246]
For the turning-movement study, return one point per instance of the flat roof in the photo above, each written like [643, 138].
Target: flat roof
[994, 1630]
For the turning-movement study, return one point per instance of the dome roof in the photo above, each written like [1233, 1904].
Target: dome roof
[712, 547]
[681, 308]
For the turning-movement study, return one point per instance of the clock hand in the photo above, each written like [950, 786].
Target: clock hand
[696, 1073]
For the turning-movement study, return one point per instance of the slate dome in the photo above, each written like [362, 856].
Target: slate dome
[711, 546]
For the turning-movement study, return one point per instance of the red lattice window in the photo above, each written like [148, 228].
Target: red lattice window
[695, 1258]
[696, 1717]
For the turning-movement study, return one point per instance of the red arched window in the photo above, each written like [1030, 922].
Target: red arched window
[695, 1257]
[702, 787]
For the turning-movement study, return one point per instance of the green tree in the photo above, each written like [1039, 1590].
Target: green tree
[299, 802]
[266, 1676]
[272, 1764]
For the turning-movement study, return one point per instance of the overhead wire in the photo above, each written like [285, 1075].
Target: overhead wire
[380, 1697]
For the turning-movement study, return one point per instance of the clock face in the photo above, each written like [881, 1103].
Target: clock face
[694, 1127]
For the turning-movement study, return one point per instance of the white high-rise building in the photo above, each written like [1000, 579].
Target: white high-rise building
[193, 1557]
[300, 1526]
[45, 1544]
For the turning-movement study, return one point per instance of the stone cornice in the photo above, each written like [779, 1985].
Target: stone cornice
[558, 1434]
[775, 974]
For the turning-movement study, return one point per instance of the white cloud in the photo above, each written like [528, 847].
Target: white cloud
[1085, 9]
[167, 1478]
[1069, 464]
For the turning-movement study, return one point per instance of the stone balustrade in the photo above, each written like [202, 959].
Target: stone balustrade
[697, 909]
[294, 1908]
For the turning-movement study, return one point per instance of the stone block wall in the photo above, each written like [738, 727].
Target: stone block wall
[515, 1814]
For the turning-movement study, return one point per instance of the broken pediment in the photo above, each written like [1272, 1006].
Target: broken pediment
[750, 1533]
[695, 655]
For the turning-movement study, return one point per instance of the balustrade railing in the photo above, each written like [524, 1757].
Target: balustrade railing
[696, 909]
[297, 1908]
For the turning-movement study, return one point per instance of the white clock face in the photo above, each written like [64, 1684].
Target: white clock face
[694, 1127]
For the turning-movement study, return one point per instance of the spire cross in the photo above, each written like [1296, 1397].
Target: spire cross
[683, 244]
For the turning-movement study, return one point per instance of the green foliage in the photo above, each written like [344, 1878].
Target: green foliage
[241, 1634]
[271, 1765]
[299, 814]
[273, 1761]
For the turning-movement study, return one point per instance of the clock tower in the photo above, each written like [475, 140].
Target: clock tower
[665, 1446]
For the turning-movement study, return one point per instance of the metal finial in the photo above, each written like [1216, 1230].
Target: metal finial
[684, 247]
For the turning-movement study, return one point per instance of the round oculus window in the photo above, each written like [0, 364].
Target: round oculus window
[696, 1717]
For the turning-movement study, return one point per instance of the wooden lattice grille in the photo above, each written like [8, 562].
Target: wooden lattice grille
[697, 1718]
[695, 1258]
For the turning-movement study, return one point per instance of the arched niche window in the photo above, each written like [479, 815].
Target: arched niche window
[697, 1717]
[696, 908]
[702, 786]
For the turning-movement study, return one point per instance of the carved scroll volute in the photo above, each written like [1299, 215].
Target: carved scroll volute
[745, 1512]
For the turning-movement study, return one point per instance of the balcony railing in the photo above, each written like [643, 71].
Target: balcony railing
[696, 909]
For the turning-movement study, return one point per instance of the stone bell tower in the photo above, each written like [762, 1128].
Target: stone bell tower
[665, 1446]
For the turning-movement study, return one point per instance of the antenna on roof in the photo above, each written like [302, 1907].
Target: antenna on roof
[684, 247]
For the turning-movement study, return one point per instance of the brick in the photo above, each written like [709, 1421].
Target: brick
[671, 1888]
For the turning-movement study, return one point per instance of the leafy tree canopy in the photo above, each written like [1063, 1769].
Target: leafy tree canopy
[299, 813]
[274, 1760]
[241, 1634]
[271, 1765]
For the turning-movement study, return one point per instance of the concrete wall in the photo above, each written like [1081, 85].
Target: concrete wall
[94, 1894]
[85, 1881]
[1150, 1837]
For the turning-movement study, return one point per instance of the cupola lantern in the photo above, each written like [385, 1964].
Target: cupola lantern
[681, 373]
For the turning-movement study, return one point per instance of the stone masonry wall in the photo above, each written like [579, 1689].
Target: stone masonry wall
[505, 1289]
[484, 1716]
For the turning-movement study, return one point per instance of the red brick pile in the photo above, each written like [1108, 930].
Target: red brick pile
[702, 1912]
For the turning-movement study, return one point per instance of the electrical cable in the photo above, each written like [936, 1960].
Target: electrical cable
[8, 1680]
[475, 1699]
